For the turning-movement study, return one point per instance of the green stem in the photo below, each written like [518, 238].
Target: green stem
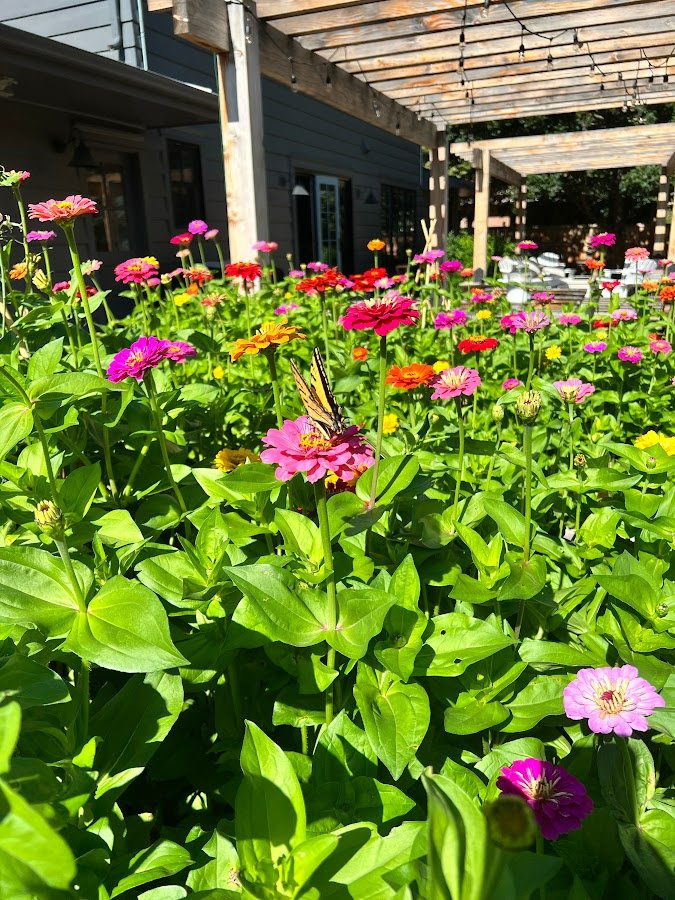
[220, 259]
[493, 458]
[331, 592]
[233, 680]
[577, 514]
[381, 394]
[143, 452]
[324, 325]
[629, 776]
[527, 450]
[157, 415]
[530, 369]
[24, 231]
[460, 466]
[570, 419]
[540, 852]
[275, 387]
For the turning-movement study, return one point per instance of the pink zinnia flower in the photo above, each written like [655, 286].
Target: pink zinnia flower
[661, 346]
[510, 383]
[451, 265]
[198, 226]
[296, 273]
[527, 245]
[89, 266]
[318, 266]
[212, 234]
[624, 315]
[181, 240]
[456, 382]
[59, 286]
[574, 390]
[529, 321]
[138, 270]
[569, 319]
[450, 319]
[285, 308]
[630, 354]
[133, 362]
[558, 800]
[506, 323]
[542, 297]
[383, 314]
[595, 346]
[481, 297]
[40, 236]
[265, 246]
[604, 239]
[615, 700]
[496, 258]
[62, 210]
[298, 446]
[384, 283]
[635, 254]
[178, 351]
[428, 257]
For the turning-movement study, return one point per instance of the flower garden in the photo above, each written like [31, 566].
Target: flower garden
[327, 585]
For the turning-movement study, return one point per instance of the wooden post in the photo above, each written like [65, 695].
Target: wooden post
[671, 237]
[241, 124]
[438, 192]
[480, 216]
[660, 225]
[521, 211]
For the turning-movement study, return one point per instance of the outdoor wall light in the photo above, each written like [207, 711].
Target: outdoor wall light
[299, 191]
[82, 156]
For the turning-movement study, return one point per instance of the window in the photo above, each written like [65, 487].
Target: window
[398, 221]
[111, 227]
[185, 176]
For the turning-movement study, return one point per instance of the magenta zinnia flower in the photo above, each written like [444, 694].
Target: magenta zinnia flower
[630, 354]
[178, 351]
[529, 321]
[451, 265]
[317, 266]
[62, 210]
[604, 239]
[298, 446]
[41, 236]
[429, 256]
[615, 700]
[558, 800]
[527, 245]
[574, 390]
[138, 270]
[265, 246]
[624, 315]
[510, 383]
[286, 308]
[133, 362]
[198, 226]
[661, 346]
[383, 314]
[635, 254]
[450, 319]
[569, 319]
[456, 382]
[595, 346]
[481, 297]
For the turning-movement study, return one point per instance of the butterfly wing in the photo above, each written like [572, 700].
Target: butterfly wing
[317, 397]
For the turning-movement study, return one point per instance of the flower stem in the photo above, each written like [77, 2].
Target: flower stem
[381, 393]
[154, 403]
[570, 418]
[460, 466]
[541, 852]
[629, 777]
[324, 325]
[530, 369]
[331, 593]
[143, 452]
[527, 450]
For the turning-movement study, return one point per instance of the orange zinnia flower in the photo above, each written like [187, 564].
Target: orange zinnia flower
[375, 244]
[650, 285]
[270, 335]
[410, 377]
[594, 264]
[360, 354]
[18, 271]
[667, 293]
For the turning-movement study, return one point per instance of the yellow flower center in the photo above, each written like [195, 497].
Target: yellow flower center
[135, 357]
[64, 204]
[312, 439]
[611, 699]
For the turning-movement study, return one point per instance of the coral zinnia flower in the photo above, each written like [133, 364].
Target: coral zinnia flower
[610, 285]
[382, 314]
[594, 264]
[62, 210]
[450, 319]
[635, 254]
[270, 334]
[18, 271]
[247, 271]
[477, 344]
[410, 377]
[615, 700]
[630, 354]
[667, 293]
[661, 346]
[375, 244]
[558, 800]
[138, 270]
[456, 382]
[328, 280]
[574, 390]
[134, 361]
[298, 446]
[198, 275]
[227, 460]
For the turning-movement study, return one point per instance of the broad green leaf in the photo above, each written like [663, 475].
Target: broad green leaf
[30, 683]
[361, 613]
[222, 866]
[526, 579]
[542, 697]
[173, 576]
[251, 479]
[663, 718]
[511, 523]
[505, 754]
[301, 536]
[525, 873]
[616, 779]
[650, 848]
[458, 641]
[632, 590]
[117, 529]
[124, 628]
[77, 491]
[545, 655]
[16, 423]
[70, 385]
[45, 361]
[405, 584]
[10, 726]
[163, 859]
[474, 716]
[394, 475]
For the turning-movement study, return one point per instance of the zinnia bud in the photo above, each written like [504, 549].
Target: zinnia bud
[528, 406]
[651, 462]
[510, 822]
[497, 413]
[580, 461]
[48, 517]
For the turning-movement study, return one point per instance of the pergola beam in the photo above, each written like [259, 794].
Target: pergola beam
[500, 170]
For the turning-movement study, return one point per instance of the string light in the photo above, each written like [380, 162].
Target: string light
[294, 77]
[397, 127]
[329, 80]
[577, 42]
[521, 49]
[549, 58]
[486, 8]
[247, 31]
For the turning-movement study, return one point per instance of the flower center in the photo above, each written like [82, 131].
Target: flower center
[612, 700]
[64, 204]
[135, 357]
[313, 440]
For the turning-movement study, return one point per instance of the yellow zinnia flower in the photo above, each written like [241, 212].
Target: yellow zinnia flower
[441, 366]
[483, 314]
[554, 352]
[653, 439]
[218, 373]
[227, 460]
[390, 423]
[375, 244]
[270, 334]
[181, 299]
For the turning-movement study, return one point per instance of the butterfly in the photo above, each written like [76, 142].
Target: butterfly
[318, 399]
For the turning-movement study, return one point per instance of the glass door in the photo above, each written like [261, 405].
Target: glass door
[327, 205]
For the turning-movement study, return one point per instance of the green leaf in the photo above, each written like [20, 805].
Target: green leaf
[505, 754]
[251, 479]
[526, 579]
[632, 590]
[545, 655]
[473, 716]
[511, 523]
[69, 385]
[78, 490]
[124, 628]
[649, 847]
[132, 725]
[301, 536]
[270, 815]
[456, 642]
[396, 718]
[616, 780]
[361, 613]
[271, 608]
[542, 697]
[663, 719]
[16, 423]
[117, 529]
[394, 475]
[10, 727]
[158, 861]
[405, 584]
[223, 863]
[33, 857]
[30, 683]
[45, 361]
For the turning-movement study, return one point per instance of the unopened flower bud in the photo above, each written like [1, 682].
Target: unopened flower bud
[408, 251]
[580, 461]
[510, 822]
[528, 406]
[48, 517]
[651, 462]
[339, 288]
[497, 413]
[289, 257]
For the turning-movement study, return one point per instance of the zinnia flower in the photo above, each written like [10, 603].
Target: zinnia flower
[594, 264]
[527, 245]
[178, 351]
[569, 319]
[630, 354]
[18, 271]
[604, 239]
[198, 226]
[134, 361]
[553, 352]
[595, 346]
[467, 273]
[529, 322]
[450, 319]
[635, 254]
[408, 378]
[390, 423]
[328, 280]
[456, 382]
[298, 446]
[317, 266]
[477, 344]
[480, 297]
[611, 285]
[667, 293]
[41, 236]
[613, 700]
[218, 372]
[198, 275]
[652, 439]
[574, 390]
[661, 346]
[181, 240]
[138, 270]
[382, 314]
[265, 246]
[212, 234]
[227, 460]
[360, 354]
[62, 211]
[542, 297]
[285, 308]
[510, 383]
[451, 266]
[247, 271]
[11, 177]
[270, 335]
[428, 257]
[375, 244]
[558, 800]
[624, 315]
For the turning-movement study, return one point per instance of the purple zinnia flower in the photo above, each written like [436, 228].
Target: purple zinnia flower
[40, 236]
[558, 800]
[595, 346]
[604, 239]
[450, 319]
[630, 354]
[134, 361]
[574, 390]
[198, 226]
[615, 700]
[529, 321]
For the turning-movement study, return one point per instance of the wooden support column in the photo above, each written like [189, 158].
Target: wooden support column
[671, 237]
[660, 225]
[521, 211]
[480, 215]
[241, 123]
[438, 192]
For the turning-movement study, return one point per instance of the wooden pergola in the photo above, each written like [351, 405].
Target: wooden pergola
[413, 67]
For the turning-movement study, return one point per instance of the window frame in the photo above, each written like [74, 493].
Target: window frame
[199, 212]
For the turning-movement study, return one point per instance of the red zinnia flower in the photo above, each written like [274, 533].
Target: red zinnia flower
[360, 354]
[324, 281]
[247, 271]
[477, 344]
[181, 240]
[408, 378]
[382, 314]
[365, 281]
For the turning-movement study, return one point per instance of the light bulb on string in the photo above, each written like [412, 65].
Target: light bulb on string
[294, 77]
[549, 58]
[521, 49]
[577, 41]
[329, 80]
[486, 8]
